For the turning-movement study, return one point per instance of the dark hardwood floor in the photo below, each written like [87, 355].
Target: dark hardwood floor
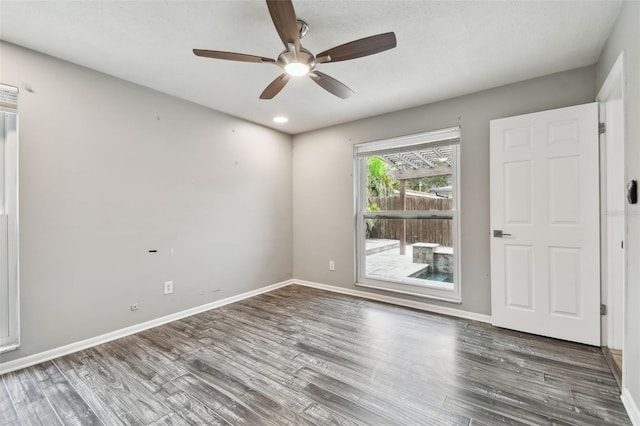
[303, 356]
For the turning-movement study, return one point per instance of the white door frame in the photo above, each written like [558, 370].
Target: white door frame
[614, 176]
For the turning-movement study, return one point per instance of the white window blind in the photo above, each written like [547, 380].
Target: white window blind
[8, 99]
[434, 138]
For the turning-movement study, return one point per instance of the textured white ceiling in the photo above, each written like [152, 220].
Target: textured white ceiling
[445, 49]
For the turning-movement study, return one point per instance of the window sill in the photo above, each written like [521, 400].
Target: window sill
[9, 348]
[412, 290]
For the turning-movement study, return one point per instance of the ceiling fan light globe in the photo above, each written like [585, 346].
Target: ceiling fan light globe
[296, 69]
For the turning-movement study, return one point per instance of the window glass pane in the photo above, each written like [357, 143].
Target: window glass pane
[9, 305]
[428, 258]
[411, 180]
[414, 199]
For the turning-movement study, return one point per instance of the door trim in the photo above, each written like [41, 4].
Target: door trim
[615, 81]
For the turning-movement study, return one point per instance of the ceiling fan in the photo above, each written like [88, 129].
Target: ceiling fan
[295, 60]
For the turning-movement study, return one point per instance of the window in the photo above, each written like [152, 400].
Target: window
[8, 219]
[407, 221]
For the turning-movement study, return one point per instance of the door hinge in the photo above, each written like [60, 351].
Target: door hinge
[622, 244]
[601, 128]
[603, 309]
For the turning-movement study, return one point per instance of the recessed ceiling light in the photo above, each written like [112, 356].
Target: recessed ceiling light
[280, 119]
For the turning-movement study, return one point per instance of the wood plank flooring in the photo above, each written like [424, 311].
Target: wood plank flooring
[301, 356]
[614, 360]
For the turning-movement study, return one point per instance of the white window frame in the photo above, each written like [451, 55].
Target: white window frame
[9, 216]
[449, 136]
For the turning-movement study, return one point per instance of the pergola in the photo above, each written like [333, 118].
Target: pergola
[423, 162]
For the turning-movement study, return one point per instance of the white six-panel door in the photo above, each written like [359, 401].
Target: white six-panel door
[545, 275]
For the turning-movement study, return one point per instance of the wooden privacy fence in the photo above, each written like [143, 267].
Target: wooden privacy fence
[418, 230]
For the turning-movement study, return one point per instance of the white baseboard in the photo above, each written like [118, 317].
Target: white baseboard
[631, 406]
[48, 355]
[398, 301]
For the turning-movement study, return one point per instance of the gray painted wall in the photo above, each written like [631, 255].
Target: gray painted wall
[626, 36]
[110, 170]
[323, 184]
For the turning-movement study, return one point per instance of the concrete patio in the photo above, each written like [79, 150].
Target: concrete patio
[384, 262]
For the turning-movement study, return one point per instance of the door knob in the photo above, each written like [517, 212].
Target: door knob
[497, 233]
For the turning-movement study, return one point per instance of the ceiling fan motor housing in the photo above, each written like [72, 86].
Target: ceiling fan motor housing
[302, 57]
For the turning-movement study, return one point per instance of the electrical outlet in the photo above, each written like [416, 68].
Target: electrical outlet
[332, 265]
[168, 287]
[134, 306]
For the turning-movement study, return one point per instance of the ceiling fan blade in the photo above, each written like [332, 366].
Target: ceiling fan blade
[275, 86]
[331, 85]
[230, 56]
[284, 19]
[359, 48]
